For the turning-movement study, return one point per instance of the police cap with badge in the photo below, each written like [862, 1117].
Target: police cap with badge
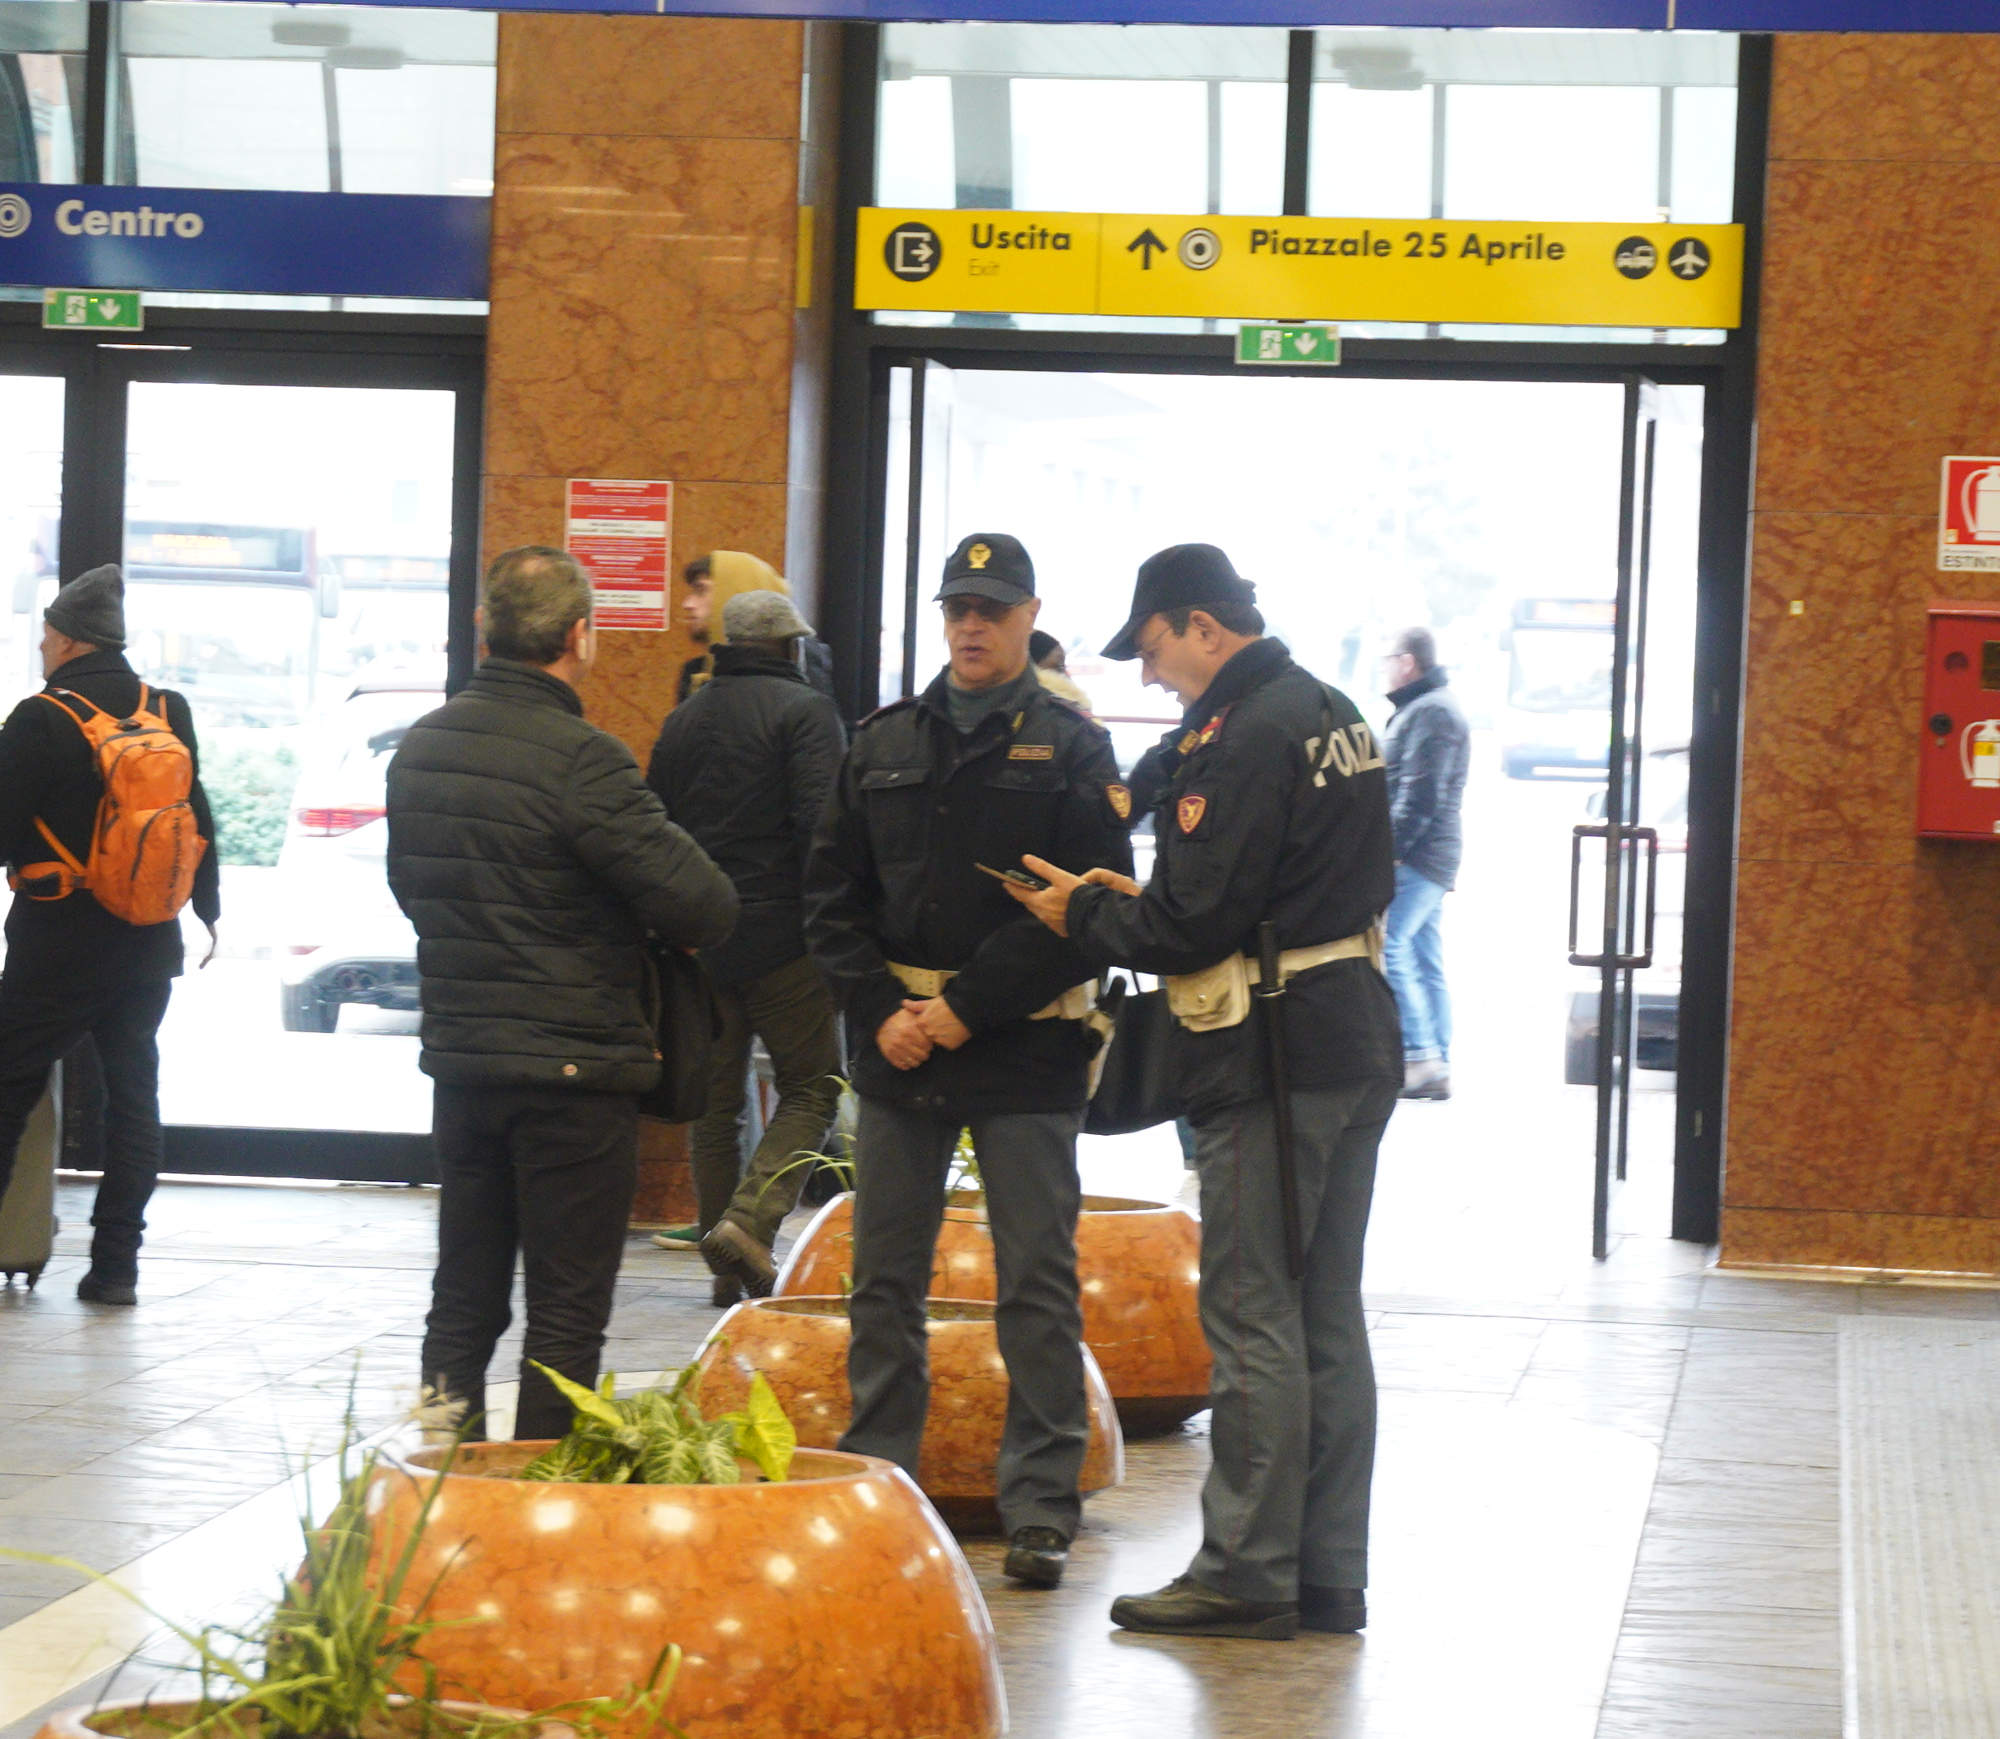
[1184, 576]
[989, 564]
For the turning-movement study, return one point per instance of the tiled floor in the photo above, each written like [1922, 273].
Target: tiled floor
[1606, 1500]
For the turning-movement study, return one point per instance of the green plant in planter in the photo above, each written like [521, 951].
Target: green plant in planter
[331, 1658]
[661, 1437]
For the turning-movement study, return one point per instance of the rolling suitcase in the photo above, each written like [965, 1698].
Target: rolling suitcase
[28, 1210]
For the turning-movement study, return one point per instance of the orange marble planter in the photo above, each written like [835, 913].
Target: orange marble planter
[833, 1604]
[1138, 1263]
[800, 1344]
[143, 1720]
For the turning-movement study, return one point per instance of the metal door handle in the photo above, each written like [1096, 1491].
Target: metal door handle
[1647, 836]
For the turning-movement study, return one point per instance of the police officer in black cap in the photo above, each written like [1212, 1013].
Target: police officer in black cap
[1272, 808]
[962, 1011]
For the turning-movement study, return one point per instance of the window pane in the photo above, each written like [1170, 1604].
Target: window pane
[1371, 152]
[1082, 117]
[355, 99]
[1253, 150]
[1570, 155]
[31, 448]
[41, 90]
[1075, 145]
[1704, 175]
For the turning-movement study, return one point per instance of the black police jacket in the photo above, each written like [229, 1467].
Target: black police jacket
[891, 877]
[1276, 808]
[48, 770]
[745, 765]
[533, 863]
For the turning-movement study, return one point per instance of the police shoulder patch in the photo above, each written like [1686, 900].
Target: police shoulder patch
[1120, 799]
[1189, 811]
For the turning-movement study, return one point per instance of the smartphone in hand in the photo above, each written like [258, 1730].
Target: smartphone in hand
[1019, 877]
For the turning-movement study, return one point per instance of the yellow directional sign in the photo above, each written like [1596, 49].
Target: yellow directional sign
[1297, 268]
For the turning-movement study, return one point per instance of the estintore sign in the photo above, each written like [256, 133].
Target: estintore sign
[1969, 516]
[1302, 268]
[621, 533]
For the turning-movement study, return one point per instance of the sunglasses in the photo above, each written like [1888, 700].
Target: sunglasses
[986, 609]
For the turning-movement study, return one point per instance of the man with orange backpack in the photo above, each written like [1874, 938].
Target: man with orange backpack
[107, 835]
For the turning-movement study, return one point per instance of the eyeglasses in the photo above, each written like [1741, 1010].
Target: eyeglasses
[1147, 654]
[986, 609]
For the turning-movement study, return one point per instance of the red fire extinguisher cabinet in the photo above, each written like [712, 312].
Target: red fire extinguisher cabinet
[1958, 785]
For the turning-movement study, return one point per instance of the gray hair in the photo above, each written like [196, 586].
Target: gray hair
[1421, 645]
[533, 596]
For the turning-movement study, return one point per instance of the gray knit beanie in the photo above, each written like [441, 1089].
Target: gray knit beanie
[91, 608]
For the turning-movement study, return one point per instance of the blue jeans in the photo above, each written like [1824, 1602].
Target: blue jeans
[1414, 963]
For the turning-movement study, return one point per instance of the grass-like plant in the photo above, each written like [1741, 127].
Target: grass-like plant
[660, 1436]
[333, 1657]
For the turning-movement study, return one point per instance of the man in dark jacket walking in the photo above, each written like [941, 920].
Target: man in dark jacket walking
[962, 1012]
[1428, 747]
[73, 970]
[534, 865]
[745, 765]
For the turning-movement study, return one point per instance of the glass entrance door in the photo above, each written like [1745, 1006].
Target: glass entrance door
[1495, 513]
[287, 556]
[31, 461]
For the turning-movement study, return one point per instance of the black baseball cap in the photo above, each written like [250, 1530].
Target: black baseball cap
[989, 564]
[1186, 576]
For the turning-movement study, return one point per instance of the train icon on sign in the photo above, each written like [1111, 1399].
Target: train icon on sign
[912, 252]
[15, 215]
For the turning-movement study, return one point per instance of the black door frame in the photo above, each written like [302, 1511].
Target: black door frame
[864, 352]
[257, 348]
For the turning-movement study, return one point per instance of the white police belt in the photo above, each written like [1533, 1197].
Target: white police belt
[1074, 1003]
[1218, 996]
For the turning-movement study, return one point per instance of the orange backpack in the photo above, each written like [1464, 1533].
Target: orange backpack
[144, 845]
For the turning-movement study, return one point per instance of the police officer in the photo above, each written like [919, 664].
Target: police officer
[964, 1012]
[1274, 808]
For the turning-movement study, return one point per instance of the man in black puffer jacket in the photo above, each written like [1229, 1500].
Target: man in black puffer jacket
[745, 765]
[534, 863]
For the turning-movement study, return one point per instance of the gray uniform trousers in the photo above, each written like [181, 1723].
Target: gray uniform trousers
[1028, 1163]
[1293, 1433]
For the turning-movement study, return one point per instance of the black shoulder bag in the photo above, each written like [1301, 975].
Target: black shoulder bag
[687, 1021]
[1139, 1085]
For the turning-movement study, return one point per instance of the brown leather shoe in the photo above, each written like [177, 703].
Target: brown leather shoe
[1186, 1607]
[732, 1253]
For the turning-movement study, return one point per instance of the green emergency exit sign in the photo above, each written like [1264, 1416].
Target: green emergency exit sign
[1289, 345]
[93, 310]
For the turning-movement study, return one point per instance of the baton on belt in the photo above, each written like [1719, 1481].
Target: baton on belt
[1270, 996]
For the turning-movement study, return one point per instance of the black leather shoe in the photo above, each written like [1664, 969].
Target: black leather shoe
[1337, 1611]
[1037, 1556]
[96, 1288]
[1186, 1608]
[725, 1291]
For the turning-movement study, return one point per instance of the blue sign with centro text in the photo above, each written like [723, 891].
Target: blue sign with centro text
[1757, 15]
[252, 244]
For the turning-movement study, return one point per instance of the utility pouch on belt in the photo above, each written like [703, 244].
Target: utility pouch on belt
[1218, 996]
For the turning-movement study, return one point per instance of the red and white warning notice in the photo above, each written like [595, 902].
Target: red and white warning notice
[1969, 516]
[621, 532]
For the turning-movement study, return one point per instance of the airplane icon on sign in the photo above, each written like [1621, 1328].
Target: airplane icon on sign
[1689, 259]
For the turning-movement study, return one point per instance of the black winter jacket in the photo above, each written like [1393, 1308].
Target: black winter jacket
[745, 765]
[1276, 808]
[47, 769]
[891, 877]
[1428, 747]
[533, 861]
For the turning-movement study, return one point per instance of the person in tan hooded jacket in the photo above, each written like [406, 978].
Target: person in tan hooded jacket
[710, 582]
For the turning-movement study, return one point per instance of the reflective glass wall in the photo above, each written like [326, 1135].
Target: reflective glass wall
[1559, 125]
